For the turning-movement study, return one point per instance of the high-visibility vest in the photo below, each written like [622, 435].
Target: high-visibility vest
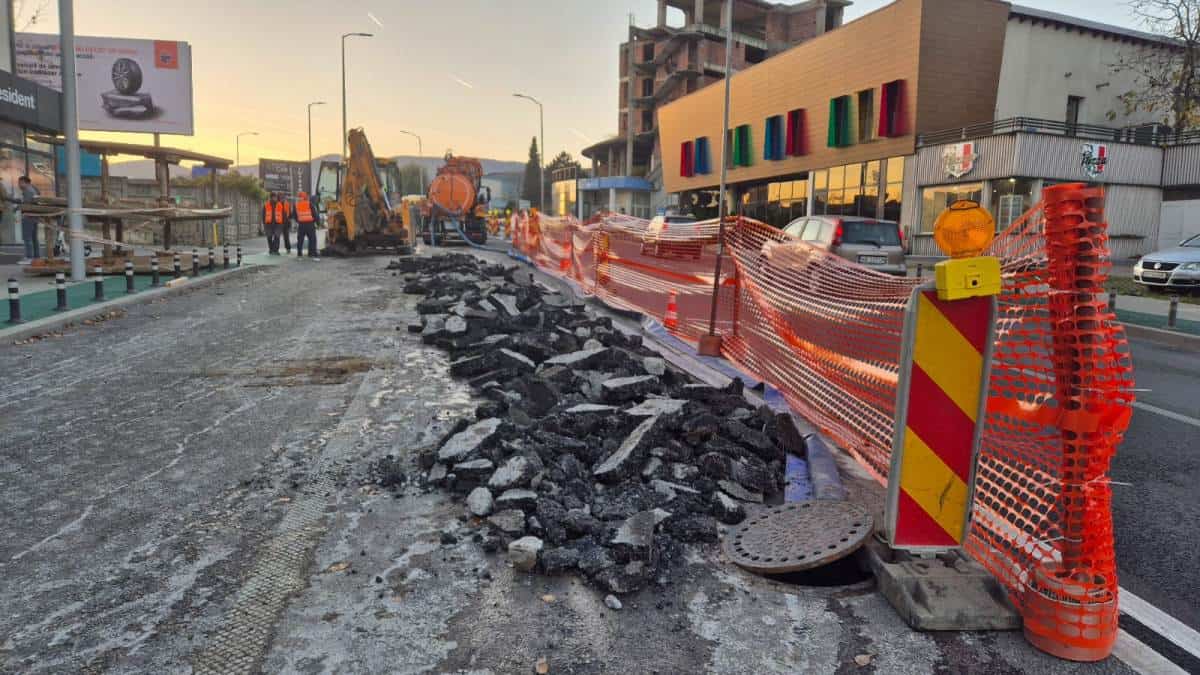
[304, 213]
[281, 212]
[268, 214]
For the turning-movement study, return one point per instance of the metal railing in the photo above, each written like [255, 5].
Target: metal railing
[1150, 134]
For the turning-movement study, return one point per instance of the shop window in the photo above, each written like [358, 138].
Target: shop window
[891, 109]
[1010, 198]
[936, 199]
[1074, 104]
[776, 203]
[893, 190]
[685, 160]
[773, 140]
[796, 143]
[702, 164]
[866, 115]
[755, 54]
[839, 122]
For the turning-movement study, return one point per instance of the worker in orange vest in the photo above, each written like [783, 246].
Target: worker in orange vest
[275, 216]
[307, 220]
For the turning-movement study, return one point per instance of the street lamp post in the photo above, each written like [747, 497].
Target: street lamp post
[710, 345]
[420, 155]
[237, 156]
[344, 151]
[310, 105]
[541, 151]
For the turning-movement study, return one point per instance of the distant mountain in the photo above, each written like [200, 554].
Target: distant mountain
[144, 168]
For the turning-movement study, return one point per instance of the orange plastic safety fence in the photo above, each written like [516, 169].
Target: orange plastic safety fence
[1059, 403]
[827, 334]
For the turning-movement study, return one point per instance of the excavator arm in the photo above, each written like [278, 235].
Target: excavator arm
[363, 215]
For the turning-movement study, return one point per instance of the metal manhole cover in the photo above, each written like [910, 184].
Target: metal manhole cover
[798, 536]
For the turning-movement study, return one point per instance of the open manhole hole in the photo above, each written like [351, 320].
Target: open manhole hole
[798, 536]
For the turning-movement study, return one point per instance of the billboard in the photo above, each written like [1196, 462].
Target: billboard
[141, 86]
[280, 175]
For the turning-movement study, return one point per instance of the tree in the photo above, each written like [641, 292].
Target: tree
[413, 179]
[564, 160]
[533, 176]
[1168, 79]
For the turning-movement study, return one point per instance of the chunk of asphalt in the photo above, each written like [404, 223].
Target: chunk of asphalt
[518, 498]
[739, 492]
[654, 365]
[657, 406]
[727, 510]
[456, 325]
[516, 472]
[465, 443]
[583, 359]
[637, 531]
[509, 521]
[479, 502]
[474, 470]
[508, 302]
[590, 408]
[626, 460]
[621, 389]
[523, 553]
[507, 358]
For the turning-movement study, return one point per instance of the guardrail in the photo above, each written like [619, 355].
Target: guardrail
[1156, 135]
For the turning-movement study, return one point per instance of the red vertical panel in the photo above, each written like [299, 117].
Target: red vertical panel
[885, 122]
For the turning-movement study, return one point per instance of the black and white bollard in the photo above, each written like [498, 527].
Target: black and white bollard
[1173, 312]
[1112, 301]
[225, 256]
[239, 256]
[14, 301]
[211, 260]
[178, 268]
[60, 289]
[920, 270]
[99, 283]
[154, 282]
[195, 263]
[129, 277]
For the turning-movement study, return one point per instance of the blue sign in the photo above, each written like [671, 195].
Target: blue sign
[89, 162]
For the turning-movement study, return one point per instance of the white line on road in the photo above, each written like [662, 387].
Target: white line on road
[1167, 413]
[1160, 622]
[1135, 654]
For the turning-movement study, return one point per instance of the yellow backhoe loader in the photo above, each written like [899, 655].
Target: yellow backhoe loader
[360, 215]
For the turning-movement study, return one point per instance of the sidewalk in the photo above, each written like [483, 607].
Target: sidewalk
[1152, 313]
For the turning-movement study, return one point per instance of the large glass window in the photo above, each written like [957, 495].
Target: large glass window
[777, 203]
[1010, 197]
[893, 189]
[936, 199]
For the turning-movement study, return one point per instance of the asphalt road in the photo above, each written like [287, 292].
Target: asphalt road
[1156, 515]
[184, 491]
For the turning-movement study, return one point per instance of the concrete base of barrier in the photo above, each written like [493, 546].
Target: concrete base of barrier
[710, 345]
[933, 594]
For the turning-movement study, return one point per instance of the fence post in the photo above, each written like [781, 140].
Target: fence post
[98, 284]
[239, 255]
[195, 263]
[178, 266]
[129, 277]
[154, 279]
[225, 255]
[1173, 312]
[211, 259]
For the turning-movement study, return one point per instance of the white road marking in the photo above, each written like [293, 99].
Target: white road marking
[1167, 413]
[1160, 622]
[1135, 654]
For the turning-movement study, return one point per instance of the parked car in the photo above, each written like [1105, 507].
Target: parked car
[683, 239]
[1172, 267]
[877, 244]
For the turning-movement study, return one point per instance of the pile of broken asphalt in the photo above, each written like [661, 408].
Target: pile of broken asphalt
[589, 454]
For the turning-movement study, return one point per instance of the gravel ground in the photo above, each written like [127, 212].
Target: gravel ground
[189, 490]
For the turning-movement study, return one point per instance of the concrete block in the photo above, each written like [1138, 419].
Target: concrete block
[931, 594]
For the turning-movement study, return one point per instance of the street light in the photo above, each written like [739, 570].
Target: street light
[420, 154]
[237, 157]
[541, 151]
[344, 151]
[310, 105]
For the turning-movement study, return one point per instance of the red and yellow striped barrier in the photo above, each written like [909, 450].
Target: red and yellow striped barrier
[941, 397]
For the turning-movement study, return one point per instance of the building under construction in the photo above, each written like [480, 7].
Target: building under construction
[683, 52]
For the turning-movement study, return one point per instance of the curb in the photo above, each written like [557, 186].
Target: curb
[50, 323]
[1162, 336]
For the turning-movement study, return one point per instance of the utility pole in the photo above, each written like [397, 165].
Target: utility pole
[710, 345]
[344, 129]
[237, 150]
[420, 156]
[70, 118]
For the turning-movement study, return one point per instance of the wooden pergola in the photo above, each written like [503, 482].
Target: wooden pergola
[163, 157]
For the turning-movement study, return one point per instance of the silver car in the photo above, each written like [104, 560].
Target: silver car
[877, 244]
[1172, 267]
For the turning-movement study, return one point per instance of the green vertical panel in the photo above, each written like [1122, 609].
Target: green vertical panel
[851, 119]
[832, 141]
[737, 147]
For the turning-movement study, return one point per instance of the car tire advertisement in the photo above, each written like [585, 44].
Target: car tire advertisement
[140, 86]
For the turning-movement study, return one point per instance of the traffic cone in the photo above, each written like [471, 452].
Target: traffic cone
[671, 320]
[564, 265]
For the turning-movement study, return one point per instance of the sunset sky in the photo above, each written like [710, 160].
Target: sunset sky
[445, 70]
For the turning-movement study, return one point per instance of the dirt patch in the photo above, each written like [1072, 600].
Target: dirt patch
[330, 370]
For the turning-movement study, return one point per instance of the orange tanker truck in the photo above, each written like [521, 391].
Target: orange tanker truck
[457, 203]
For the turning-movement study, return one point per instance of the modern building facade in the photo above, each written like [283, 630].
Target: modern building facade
[662, 63]
[971, 99]
[25, 108]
